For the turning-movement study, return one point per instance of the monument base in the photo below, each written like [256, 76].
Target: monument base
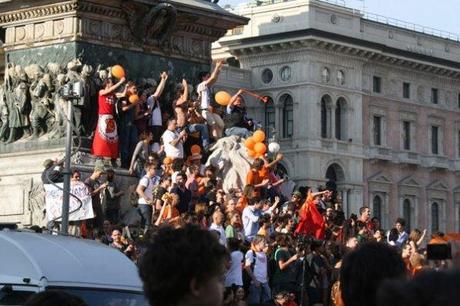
[21, 189]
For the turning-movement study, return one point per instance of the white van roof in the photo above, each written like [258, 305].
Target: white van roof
[64, 261]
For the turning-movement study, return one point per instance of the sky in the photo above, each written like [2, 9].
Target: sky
[437, 14]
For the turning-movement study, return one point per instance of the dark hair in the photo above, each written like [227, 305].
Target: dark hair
[393, 235]
[177, 164]
[202, 74]
[149, 165]
[364, 269]
[181, 173]
[233, 244]
[401, 221]
[54, 298]
[106, 81]
[174, 258]
[165, 178]
[257, 163]
[433, 288]
[362, 209]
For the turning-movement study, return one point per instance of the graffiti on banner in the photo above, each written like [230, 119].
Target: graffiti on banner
[54, 198]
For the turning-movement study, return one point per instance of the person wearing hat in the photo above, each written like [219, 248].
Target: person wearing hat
[95, 188]
[294, 203]
[51, 173]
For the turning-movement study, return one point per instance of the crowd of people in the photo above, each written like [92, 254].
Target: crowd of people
[278, 250]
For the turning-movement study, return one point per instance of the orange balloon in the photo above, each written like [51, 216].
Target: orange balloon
[260, 148]
[222, 98]
[195, 149]
[133, 99]
[118, 71]
[258, 136]
[252, 153]
[249, 143]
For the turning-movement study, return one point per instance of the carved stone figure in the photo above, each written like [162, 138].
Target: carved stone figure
[325, 75]
[90, 106]
[17, 100]
[231, 160]
[340, 77]
[40, 92]
[60, 113]
[150, 23]
[3, 114]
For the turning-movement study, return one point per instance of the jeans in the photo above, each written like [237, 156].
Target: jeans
[204, 133]
[237, 131]
[259, 295]
[127, 142]
[145, 211]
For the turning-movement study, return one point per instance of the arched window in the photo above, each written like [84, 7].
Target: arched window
[407, 213]
[377, 207]
[434, 217]
[326, 116]
[269, 117]
[288, 115]
[340, 119]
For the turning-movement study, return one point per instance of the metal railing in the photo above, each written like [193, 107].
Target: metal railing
[365, 15]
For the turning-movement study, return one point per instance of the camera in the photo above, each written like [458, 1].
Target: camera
[71, 91]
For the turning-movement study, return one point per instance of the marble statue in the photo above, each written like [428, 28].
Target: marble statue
[231, 160]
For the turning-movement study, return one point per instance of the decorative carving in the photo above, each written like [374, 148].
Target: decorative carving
[20, 33]
[59, 27]
[39, 30]
[325, 75]
[28, 13]
[150, 23]
[340, 77]
[36, 203]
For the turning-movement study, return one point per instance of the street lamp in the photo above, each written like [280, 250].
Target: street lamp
[69, 92]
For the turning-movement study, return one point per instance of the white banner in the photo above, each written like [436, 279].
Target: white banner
[54, 197]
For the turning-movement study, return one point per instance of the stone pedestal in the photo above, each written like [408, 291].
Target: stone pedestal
[144, 36]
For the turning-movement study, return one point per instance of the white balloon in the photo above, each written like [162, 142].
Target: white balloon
[273, 147]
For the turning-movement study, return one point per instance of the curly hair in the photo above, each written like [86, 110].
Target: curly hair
[174, 258]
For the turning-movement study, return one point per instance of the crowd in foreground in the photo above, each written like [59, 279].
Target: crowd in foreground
[194, 237]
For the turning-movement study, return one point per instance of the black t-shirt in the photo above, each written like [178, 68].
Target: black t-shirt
[185, 198]
[289, 274]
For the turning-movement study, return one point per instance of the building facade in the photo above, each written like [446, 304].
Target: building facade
[371, 106]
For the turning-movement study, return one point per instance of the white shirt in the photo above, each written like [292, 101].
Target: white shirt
[235, 273]
[204, 94]
[260, 267]
[176, 151]
[149, 184]
[156, 118]
[220, 229]
[250, 219]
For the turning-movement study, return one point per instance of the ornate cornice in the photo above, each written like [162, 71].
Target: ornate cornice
[37, 12]
[103, 10]
[354, 51]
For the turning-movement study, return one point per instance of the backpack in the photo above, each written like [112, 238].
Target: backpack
[134, 197]
[246, 277]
